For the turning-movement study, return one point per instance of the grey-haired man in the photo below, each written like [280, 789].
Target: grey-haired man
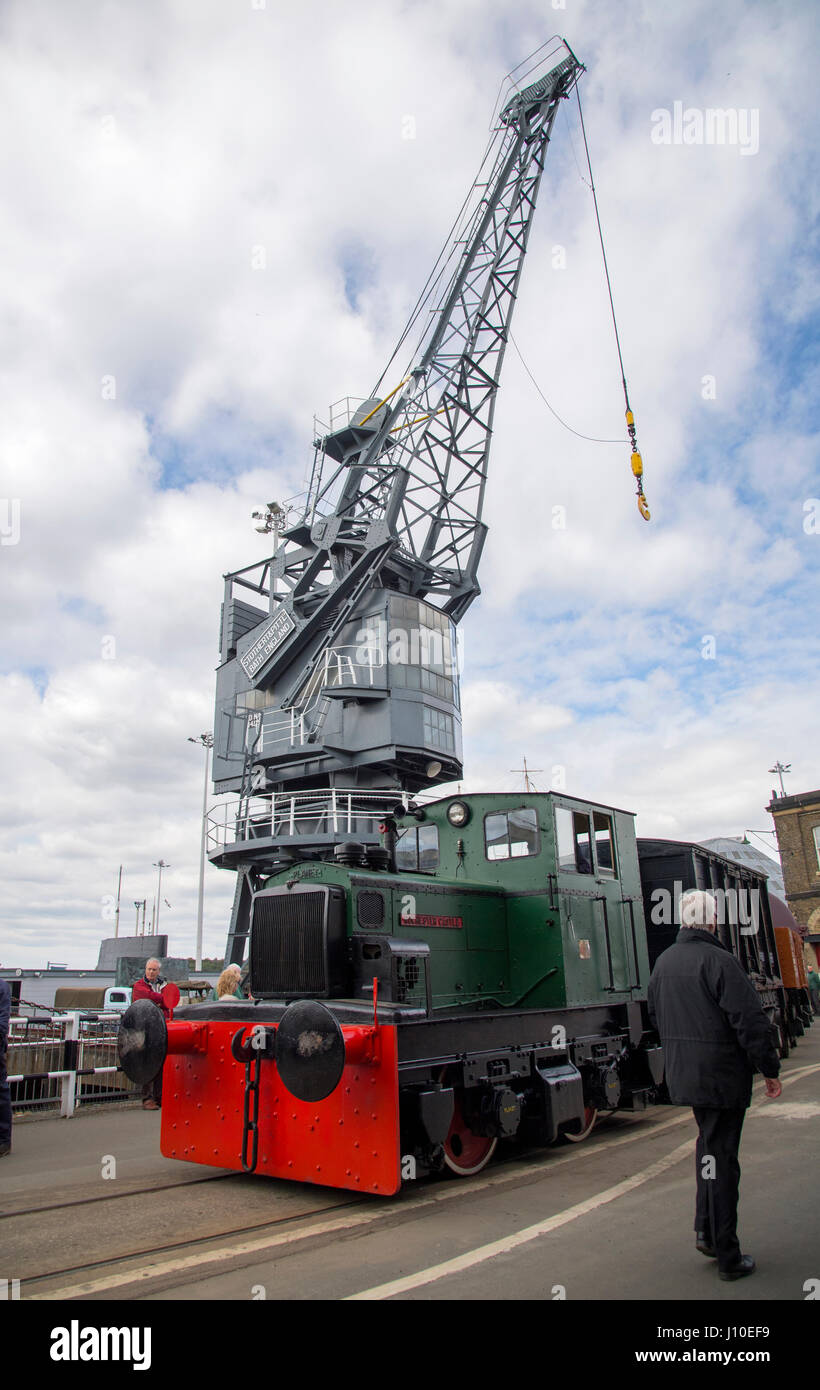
[715, 1034]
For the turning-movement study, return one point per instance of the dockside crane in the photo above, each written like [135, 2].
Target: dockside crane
[337, 692]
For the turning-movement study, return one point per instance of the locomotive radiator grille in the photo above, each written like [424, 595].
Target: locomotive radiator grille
[288, 950]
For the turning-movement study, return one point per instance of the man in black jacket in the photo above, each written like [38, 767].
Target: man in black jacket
[5, 1094]
[714, 1034]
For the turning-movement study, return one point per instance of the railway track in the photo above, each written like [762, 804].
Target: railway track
[228, 1241]
[162, 1264]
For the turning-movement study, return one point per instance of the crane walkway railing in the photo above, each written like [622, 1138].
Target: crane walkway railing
[349, 665]
[325, 811]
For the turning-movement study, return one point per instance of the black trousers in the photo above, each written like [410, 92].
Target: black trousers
[5, 1098]
[717, 1173]
[152, 1090]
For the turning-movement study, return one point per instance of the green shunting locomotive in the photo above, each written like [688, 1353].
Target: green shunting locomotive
[504, 937]
[478, 976]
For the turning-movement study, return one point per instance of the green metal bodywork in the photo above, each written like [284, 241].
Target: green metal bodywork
[522, 932]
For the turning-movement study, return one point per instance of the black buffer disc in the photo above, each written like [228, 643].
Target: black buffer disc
[142, 1041]
[310, 1050]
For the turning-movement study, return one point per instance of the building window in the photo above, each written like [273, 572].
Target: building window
[511, 834]
[417, 850]
[816, 833]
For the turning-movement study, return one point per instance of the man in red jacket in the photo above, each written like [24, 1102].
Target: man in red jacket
[151, 987]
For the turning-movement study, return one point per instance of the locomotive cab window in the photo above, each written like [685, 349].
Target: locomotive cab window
[417, 849]
[575, 832]
[604, 845]
[574, 840]
[511, 834]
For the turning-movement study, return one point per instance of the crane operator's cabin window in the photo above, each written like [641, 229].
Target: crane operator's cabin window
[574, 835]
[511, 834]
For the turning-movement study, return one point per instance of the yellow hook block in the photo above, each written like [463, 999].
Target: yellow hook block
[643, 509]
[637, 464]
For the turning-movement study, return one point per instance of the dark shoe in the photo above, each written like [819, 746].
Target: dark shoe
[5, 1149]
[704, 1245]
[150, 1105]
[744, 1266]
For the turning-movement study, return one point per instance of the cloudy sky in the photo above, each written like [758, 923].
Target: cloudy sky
[217, 215]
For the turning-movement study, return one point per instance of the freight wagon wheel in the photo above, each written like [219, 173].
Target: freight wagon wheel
[466, 1153]
[782, 1042]
[587, 1126]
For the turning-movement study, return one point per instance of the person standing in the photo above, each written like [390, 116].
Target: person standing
[151, 987]
[5, 1094]
[715, 1034]
[228, 985]
[814, 988]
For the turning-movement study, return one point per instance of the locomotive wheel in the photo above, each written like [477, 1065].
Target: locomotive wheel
[466, 1153]
[590, 1116]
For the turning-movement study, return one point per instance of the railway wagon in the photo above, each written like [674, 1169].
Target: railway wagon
[478, 977]
[669, 867]
[795, 982]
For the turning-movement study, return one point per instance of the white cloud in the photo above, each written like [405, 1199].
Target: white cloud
[149, 150]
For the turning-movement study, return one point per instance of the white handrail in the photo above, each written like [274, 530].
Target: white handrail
[293, 813]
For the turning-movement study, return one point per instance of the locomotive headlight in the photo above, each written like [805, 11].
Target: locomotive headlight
[458, 813]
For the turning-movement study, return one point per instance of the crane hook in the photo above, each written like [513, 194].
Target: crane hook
[637, 465]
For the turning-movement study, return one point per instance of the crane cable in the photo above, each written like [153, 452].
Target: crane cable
[636, 460]
[591, 439]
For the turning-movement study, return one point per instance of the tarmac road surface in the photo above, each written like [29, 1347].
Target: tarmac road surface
[609, 1219]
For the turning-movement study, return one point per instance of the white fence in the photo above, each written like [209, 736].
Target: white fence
[58, 1063]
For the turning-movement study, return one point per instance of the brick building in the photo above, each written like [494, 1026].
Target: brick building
[797, 826]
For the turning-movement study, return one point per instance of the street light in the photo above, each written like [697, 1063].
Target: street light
[207, 741]
[160, 865]
[273, 519]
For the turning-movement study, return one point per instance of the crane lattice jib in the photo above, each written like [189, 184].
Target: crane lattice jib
[423, 471]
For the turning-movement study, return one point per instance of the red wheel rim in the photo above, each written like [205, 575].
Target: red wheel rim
[590, 1116]
[466, 1153]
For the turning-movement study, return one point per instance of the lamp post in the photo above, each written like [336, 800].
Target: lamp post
[160, 865]
[273, 519]
[117, 913]
[207, 741]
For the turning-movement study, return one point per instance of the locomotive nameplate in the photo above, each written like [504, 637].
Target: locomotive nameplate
[427, 919]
